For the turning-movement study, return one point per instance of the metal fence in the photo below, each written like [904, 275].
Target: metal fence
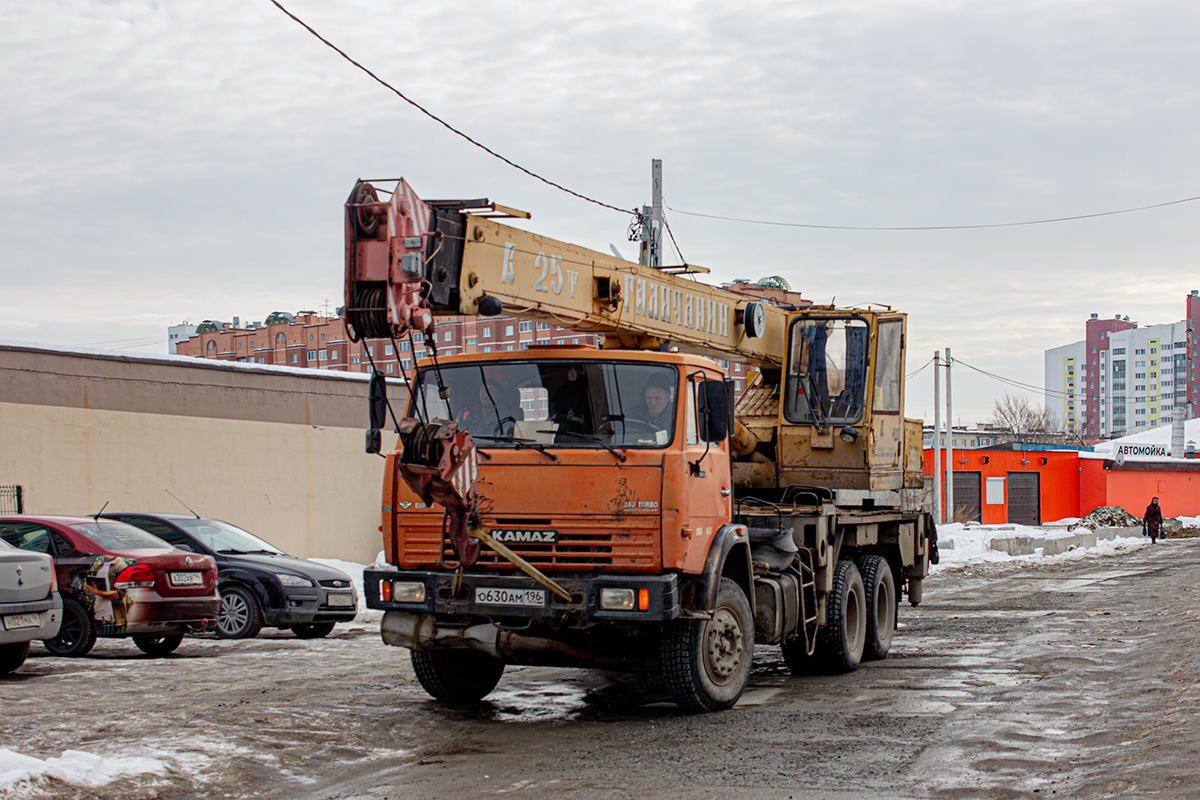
[12, 500]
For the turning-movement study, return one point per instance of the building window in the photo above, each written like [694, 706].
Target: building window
[323, 355]
[508, 330]
[312, 355]
[239, 345]
[525, 327]
[390, 368]
[486, 332]
[387, 350]
[295, 358]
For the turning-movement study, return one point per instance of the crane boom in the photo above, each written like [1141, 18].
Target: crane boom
[405, 255]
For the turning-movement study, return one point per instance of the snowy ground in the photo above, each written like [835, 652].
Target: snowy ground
[961, 544]
[24, 776]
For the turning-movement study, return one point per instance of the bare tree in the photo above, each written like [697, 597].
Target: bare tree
[1023, 421]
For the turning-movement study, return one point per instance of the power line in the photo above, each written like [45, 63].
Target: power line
[438, 119]
[919, 370]
[1017, 384]
[934, 227]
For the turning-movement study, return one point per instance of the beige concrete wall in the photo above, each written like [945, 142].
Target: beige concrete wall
[276, 453]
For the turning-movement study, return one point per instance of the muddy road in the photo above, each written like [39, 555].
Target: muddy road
[1074, 679]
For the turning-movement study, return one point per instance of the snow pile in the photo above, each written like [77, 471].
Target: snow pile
[1109, 517]
[72, 767]
[960, 544]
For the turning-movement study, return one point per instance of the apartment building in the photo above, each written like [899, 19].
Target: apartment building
[1122, 377]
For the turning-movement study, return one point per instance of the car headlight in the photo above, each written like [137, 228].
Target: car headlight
[294, 580]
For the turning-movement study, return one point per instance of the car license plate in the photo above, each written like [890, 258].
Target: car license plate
[495, 596]
[17, 621]
[340, 600]
[186, 578]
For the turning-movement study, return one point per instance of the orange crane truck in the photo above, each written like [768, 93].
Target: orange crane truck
[610, 507]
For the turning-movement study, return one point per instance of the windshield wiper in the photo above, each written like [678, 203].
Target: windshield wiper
[815, 405]
[541, 448]
[232, 552]
[589, 438]
[519, 444]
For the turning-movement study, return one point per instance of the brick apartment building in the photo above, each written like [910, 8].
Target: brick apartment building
[309, 341]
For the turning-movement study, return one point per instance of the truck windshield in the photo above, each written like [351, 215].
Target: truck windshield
[827, 371]
[587, 404]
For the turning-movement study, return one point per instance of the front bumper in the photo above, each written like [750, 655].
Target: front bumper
[305, 605]
[663, 593]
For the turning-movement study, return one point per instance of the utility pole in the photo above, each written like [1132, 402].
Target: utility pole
[937, 437]
[651, 217]
[949, 443]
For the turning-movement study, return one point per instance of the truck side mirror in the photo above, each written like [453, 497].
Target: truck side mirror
[377, 409]
[713, 401]
[377, 401]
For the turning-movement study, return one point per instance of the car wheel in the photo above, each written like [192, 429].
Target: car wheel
[239, 617]
[12, 656]
[157, 646]
[313, 630]
[77, 635]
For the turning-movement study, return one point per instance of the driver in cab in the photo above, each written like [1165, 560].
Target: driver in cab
[659, 406]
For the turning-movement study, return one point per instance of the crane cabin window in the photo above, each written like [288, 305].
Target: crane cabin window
[888, 367]
[564, 403]
[826, 370]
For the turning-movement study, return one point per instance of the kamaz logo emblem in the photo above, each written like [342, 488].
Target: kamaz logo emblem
[510, 536]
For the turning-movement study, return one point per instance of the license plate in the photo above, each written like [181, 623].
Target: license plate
[17, 621]
[186, 578]
[495, 596]
[340, 600]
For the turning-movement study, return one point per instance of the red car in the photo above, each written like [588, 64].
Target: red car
[117, 580]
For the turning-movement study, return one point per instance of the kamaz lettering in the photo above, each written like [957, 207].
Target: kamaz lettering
[509, 536]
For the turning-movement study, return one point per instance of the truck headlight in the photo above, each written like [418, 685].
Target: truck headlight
[402, 591]
[616, 599]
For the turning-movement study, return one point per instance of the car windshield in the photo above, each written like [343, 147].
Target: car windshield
[827, 371]
[112, 535]
[587, 403]
[223, 537]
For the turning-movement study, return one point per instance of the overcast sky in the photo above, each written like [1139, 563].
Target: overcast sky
[174, 160]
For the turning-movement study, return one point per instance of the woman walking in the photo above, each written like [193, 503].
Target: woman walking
[1153, 520]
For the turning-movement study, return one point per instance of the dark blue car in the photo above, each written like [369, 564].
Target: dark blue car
[259, 584]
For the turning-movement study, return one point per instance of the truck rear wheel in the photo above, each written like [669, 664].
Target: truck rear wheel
[840, 643]
[880, 587]
[706, 662]
[457, 676]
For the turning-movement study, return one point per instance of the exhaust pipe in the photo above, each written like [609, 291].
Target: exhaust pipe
[421, 632]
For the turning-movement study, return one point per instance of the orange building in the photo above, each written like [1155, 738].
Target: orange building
[1029, 487]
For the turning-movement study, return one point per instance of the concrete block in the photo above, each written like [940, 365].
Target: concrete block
[1118, 533]
[1013, 546]
[1056, 547]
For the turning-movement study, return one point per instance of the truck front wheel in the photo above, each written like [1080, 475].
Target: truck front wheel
[706, 662]
[457, 676]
